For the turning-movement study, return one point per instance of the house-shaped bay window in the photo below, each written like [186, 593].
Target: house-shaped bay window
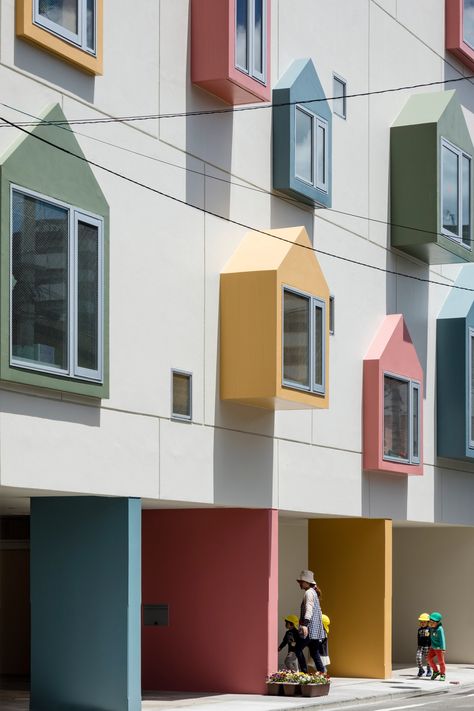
[460, 30]
[302, 136]
[431, 180]
[393, 401]
[455, 370]
[274, 328]
[230, 49]
[54, 236]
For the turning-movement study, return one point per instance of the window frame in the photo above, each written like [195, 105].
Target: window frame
[78, 39]
[412, 386]
[317, 121]
[250, 69]
[332, 314]
[314, 302]
[340, 80]
[470, 352]
[445, 143]
[75, 215]
[178, 416]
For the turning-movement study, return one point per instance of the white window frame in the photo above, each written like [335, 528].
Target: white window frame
[317, 121]
[80, 38]
[332, 315]
[413, 385]
[75, 215]
[314, 301]
[337, 78]
[447, 233]
[250, 69]
[470, 350]
[178, 416]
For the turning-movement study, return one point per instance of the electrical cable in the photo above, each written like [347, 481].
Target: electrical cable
[240, 109]
[203, 210]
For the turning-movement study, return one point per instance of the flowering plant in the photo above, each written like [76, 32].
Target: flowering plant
[285, 676]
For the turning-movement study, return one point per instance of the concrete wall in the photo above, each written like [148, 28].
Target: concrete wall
[293, 558]
[433, 569]
[217, 570]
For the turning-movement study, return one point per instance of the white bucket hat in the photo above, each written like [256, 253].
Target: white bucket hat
[306, 576]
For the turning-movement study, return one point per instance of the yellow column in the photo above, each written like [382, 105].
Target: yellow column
[352, 563]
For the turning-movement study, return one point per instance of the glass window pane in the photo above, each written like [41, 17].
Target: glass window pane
[90, 38]
[318, 345]
[39, 282]
[466, 201]
[472, 388]
[396, 439]
[296, 339]
[468, 28]
[339, 101]
[62, 12]
[88, 296]
[258, 44]
[181, 395]
[304, 145]
[321, 154]
[242, 34]
[416, 422]
[450, 191]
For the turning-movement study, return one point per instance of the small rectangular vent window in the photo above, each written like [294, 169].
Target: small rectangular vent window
[181, 406]
[156, 615]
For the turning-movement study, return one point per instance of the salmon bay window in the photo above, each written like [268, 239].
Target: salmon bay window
[401, 426]
[304, 329]
[456, 193]
[73, 20]
[56, 285]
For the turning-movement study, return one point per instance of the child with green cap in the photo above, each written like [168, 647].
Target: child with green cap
[438, 647]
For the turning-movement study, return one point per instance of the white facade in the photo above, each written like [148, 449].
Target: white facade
[166, 259]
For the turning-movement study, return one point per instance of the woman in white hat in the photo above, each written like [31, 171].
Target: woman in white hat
[311, 623]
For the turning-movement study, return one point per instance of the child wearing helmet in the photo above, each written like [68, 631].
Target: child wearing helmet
[424, 643]
[438, 647]
[295, 659]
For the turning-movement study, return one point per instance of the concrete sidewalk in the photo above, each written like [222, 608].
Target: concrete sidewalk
[403, 684]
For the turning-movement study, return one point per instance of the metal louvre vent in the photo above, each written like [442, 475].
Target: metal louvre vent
[156, 615]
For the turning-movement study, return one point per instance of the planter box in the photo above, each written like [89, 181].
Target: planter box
[274, 688]
[315, 689]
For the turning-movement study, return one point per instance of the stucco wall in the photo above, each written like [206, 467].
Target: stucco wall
[433, 569]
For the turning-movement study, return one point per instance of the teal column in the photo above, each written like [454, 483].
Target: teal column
[85, 604]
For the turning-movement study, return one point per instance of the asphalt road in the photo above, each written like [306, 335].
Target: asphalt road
[450, 701]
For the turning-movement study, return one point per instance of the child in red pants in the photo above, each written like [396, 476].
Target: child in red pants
[438, 647]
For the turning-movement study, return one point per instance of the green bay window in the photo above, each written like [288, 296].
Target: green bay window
[56, 288]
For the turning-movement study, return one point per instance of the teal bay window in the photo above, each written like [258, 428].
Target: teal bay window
[56, 284]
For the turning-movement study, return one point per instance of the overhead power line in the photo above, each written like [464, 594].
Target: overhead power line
[203, 210]
[240, 109]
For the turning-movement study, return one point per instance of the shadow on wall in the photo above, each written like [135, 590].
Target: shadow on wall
[53, 70]
[208, 138]
[54, 410]
[384, 496]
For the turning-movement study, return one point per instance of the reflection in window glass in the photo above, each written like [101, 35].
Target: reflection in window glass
[88, 296]
[242, 34]
[90, 38]
[181, 395]
[318, 345]
[416, 424]
[466, 200]
[396, 406]
[450, 195]
[304, 145]
[468, 22]
[62, 12]
[296, 338]
[339, 101]
[321, 155]
[258, 38]
[39, 282]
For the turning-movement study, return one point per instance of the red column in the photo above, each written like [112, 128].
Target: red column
[217, 569]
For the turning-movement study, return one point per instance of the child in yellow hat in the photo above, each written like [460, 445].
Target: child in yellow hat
[424, 643]
[295, 659]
